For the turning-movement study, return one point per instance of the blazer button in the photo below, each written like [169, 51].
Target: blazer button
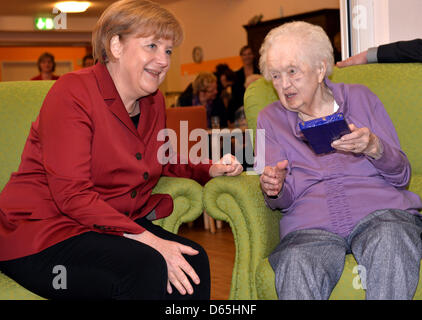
[146, 175]
[138, 156]
[133, 194]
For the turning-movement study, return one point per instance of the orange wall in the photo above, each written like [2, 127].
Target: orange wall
[234, 63]
[74, 54]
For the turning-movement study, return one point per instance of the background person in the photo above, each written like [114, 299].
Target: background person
[249, 67]
[353, 200]
[46, 65]
[88, 61]
[225, 80]
[203, 92]
[82, 195]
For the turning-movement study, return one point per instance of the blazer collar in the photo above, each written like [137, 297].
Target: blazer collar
[111, 96]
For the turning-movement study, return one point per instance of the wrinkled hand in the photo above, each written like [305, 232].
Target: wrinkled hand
[360, 140]
[228, 165]
[177, 266]
[272, 179]
[359, 58]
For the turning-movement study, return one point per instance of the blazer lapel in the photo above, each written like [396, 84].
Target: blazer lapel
[112, 98]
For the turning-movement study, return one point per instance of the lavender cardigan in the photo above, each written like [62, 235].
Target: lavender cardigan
[334, 191]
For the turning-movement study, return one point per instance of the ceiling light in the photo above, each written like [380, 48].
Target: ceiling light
[72, 6]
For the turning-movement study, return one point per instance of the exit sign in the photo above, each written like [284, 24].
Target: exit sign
[44, 23]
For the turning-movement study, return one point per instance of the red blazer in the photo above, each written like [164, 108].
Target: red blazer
[85, 167]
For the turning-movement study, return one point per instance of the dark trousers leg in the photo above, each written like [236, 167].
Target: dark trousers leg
[199, 263]
[101, 266]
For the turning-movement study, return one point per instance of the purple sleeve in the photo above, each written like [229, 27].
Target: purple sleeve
[273, 153]
[393, 164]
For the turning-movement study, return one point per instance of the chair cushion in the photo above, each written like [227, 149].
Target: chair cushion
[10, 290]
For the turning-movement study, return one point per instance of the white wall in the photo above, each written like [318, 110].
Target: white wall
[405, 19]
[376, 22]
[217, 26]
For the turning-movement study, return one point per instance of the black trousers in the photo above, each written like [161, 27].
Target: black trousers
[102, 266]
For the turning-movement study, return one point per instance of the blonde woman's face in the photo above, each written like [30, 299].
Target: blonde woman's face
[143, 63]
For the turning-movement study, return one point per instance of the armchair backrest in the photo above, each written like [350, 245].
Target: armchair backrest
[20, 103]
[398, 86]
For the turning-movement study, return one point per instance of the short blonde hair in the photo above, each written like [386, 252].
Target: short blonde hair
[202, 81]
[141, 18]
[316, 45]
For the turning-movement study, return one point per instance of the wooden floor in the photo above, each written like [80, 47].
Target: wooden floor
[221, 252]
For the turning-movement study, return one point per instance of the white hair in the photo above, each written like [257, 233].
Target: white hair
[317, 47]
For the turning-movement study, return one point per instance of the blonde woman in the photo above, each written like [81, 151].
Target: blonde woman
[82, 195]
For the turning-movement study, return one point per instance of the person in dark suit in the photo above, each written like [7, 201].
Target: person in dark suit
[82, 196]
[401, 51]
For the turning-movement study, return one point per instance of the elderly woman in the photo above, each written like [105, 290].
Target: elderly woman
[203, 92]
[353, 200]
[46, 66]
[81, 198]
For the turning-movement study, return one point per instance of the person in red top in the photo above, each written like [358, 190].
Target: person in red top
[81, 198]
[46, 65]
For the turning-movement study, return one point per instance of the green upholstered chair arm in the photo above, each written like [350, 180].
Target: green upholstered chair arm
[240, 202]
[187, 198]
[416, 184]
[10, 290]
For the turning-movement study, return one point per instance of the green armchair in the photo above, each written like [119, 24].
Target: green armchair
[20, 103]
[239, 200]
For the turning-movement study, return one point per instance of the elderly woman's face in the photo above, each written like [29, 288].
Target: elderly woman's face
[143, 63]
[293, 78]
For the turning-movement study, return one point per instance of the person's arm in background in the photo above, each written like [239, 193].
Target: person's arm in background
[401, 51]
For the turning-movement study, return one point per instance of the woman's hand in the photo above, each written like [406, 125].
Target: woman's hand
[360, 140]
[228, 165]
[177, 266]
[272, 179]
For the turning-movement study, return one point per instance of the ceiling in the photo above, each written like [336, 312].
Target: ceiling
[39, 7]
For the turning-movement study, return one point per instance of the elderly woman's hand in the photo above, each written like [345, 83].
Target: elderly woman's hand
[360, 140]
[272, 179]
[228, 165]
